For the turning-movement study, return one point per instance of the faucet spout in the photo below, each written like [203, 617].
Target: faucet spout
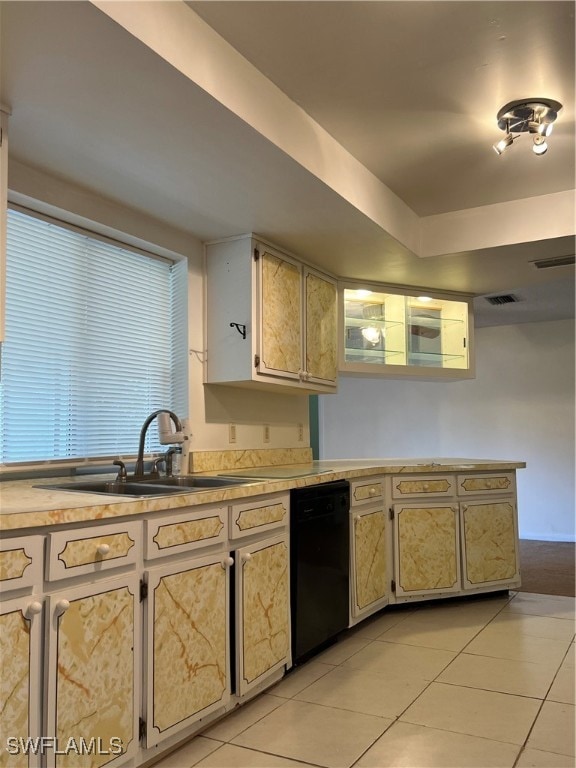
[139, 468]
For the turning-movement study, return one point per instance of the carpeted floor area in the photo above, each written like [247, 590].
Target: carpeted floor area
[547, 567]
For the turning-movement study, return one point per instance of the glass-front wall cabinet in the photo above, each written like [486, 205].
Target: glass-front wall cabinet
[400, 334]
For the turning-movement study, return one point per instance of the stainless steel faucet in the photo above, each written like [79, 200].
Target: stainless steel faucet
[139, 468]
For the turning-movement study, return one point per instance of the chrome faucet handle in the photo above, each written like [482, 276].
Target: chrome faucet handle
[122, 475]
[155, 472]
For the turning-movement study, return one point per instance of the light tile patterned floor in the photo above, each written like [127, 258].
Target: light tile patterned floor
[485, 683]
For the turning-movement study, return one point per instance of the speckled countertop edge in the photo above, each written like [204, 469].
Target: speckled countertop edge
[22, 505]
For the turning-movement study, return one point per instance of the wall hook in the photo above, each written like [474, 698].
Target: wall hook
[240, 328]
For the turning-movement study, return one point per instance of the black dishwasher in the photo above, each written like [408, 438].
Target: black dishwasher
[319, 565]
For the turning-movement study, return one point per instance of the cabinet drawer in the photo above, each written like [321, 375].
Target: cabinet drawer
[416, 487]
[490, 482]
[186, 531]
[20, 562]
[370, 489]
[92, 550]
[259, 515]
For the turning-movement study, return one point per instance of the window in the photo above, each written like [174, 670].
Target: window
[93, 344]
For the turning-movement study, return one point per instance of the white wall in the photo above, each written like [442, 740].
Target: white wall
[519, 407]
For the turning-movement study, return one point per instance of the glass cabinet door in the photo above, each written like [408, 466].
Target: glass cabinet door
[383, 328]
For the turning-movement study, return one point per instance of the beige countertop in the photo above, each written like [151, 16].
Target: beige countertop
[24, 505]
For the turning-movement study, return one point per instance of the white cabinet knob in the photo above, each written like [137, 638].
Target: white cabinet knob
[426, 486]
[62, 606]
[373, 491]
[103, 549]
[227, 562]
[33, 608]
[246, 557]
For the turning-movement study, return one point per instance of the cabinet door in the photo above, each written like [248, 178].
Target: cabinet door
[93, 691]
[426, 549]
[369, 561]
[262, 611]
[280, 295]
[321, 332]
[20, 633]
[187, 644]
[490, 543]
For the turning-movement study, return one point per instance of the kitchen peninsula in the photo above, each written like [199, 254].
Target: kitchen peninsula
[132, 599]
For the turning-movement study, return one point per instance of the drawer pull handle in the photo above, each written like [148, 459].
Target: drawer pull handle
[227, 562]
[426, 486]
[103, 549]
[373, 491]
[62, 606]
[246, 557]
[32, 609]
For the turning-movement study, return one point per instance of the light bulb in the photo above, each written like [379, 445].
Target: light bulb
[503, 144]
[540, 147]
[371, 334]
[542, 128]
[424, 298]
[362, 293]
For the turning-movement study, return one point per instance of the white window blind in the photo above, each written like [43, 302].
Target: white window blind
[92, 344]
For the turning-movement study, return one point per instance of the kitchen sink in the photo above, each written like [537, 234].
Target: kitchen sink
[157, 487]
[191, 481]
[112, 488]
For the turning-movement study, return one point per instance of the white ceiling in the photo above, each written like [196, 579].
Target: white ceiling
[409, 89]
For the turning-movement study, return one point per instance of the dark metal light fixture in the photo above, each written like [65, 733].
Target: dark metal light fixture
[535, 116]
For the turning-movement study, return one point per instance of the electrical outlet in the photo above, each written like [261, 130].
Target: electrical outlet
[266, 433]
[300, 433]
[231, 433]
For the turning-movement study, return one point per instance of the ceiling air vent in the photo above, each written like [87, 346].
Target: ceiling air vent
[560, 261]
[505, 298]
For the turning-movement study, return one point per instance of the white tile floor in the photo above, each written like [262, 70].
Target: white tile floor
[488, 682]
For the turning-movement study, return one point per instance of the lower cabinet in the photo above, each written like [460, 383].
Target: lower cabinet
[426, 549]
[262, 611]
[369, 555]
[93, 674]
[455, 548]
[216, 610]
[20, 637]
[187, 644]
[489, 543]
[21, 561]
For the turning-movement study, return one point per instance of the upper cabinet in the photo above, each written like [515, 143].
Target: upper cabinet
[271, 320]
[386, 331]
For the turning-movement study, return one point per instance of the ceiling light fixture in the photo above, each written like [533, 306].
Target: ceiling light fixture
[504, 143]
[534, 116]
